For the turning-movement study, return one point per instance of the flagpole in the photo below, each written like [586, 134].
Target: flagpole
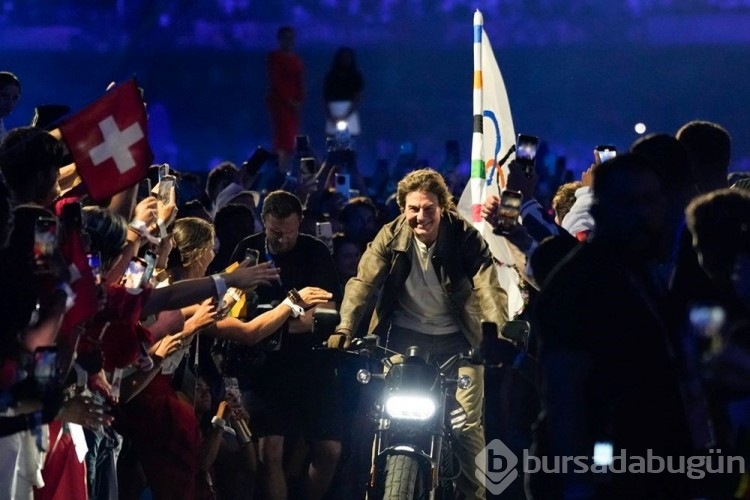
[476, 180]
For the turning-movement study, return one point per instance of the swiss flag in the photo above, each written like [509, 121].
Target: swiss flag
[109, 141]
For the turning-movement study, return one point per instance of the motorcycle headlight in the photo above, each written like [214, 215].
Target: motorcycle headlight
[410, 407]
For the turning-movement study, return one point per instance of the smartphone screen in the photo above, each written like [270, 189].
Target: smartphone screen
[343, 185]
[166, 189]
[150, 258]
[163, 171]
[46, 370]
[604, 153]
[133, 277]
[95, 263]
[526, 147]
[45, 240]
[510, 209]
[603, 453]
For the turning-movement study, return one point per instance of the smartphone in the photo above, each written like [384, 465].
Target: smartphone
[45, 241]
[324, 232]
[163, 171]
[253, 164]
[232, 387]
[603, 453]
[150, 258]
[166, 188]
[526, 148]
[252, 255]
[71, 215]
[307, 165]
[302, 142]
[133, 277]
[343, 185]
[95, 264]
[46, 367]
[509, 210]
[144, 188]
[604, 152]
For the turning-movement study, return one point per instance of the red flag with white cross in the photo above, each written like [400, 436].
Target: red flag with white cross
[109, 141]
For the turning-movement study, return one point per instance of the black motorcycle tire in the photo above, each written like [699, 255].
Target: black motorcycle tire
[401, 476]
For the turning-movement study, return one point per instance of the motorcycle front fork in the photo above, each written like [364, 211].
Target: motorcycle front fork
[381, 450]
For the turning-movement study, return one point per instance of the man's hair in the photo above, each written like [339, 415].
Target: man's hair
[669, 156]
[708, 144]
[8, 78]
[425, 180]
[28, 155]
[564, 198]
[281, 204]
[221, 176]
[355, 203]
[720, 222]
[607, 175]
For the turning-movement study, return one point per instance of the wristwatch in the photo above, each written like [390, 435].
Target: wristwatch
[294, 296]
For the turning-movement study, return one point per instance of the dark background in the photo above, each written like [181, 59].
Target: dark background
[578, 73]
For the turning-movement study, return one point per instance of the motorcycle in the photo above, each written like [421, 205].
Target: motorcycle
[418, 417]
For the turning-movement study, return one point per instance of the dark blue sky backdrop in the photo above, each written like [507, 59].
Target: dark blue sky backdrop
[578, 73]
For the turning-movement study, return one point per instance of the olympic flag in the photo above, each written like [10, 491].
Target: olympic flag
[492, 142]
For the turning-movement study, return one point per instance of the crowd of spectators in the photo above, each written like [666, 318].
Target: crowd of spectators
[115, 377]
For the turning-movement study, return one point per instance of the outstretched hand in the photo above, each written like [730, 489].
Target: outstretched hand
[246, 276]
[85, 411]
[205, 315]
[312, 296]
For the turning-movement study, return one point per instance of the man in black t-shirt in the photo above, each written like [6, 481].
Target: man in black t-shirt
[296, 389]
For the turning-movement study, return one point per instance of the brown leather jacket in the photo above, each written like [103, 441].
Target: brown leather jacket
[463, 264]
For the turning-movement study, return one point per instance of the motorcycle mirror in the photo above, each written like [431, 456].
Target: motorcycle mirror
[475, 356]
[325, 321]
[517, 331]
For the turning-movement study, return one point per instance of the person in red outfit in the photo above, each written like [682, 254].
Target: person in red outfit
[286, 91]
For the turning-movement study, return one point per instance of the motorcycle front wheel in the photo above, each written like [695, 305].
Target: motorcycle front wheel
[401, 478]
